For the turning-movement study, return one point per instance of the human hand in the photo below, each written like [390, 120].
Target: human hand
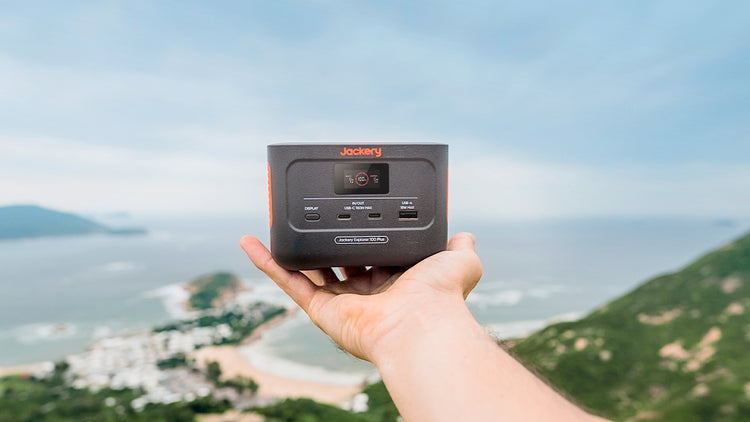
[437, 362]
[369, 311]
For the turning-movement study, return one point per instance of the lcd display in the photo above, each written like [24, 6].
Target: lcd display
[360, 178]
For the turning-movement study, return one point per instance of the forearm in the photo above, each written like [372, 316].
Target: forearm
[443, 366]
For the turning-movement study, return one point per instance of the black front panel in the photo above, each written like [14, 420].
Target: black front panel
[315, 201]
[335, 208]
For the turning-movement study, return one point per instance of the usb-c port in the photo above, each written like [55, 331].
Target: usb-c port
[345, 216]
[374, 216]
[407, 215]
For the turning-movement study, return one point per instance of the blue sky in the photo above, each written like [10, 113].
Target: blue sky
[571, 108]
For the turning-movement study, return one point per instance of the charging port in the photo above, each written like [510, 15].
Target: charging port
[407, 215]
[345, 216]
[374, 216]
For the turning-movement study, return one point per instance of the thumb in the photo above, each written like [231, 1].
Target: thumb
[470, 265]
[461, 242]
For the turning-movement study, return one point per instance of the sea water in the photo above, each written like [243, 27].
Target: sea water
[57, 295]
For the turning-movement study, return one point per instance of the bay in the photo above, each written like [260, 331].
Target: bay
[59, 294]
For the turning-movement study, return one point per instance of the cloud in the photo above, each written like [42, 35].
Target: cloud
[499, 187]
[80, 176]
[595, 110]
[600, 83]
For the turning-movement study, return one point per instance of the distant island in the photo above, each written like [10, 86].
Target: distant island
[28, 221]
[214, 290]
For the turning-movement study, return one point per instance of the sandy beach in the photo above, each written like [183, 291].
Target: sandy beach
[233, 363]
[270, 385]
[27, 369]
[273, 386]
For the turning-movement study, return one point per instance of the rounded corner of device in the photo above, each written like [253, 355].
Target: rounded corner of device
[285, 261]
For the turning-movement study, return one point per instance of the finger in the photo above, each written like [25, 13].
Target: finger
[348, 272]
[381, 274]
[384, 278]
[322, 276]
[461, 242]
[359, 283]
[293, 283]
[338, 287]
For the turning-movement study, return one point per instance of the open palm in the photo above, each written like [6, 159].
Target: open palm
[369, 305]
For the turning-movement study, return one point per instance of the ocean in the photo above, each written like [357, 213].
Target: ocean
[57, 295]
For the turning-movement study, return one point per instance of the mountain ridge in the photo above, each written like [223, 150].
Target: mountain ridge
[672, 349]
[31, 221]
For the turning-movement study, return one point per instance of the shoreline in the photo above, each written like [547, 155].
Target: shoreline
[26, 369]
[233, 363]
[268, 325]
[273, 386]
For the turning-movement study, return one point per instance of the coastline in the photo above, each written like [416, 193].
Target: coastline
[26, 369]
[273, 386]
[272, 323]
[233, 363]
[283, 379]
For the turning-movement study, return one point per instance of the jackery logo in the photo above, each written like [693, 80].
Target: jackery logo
[362, 151]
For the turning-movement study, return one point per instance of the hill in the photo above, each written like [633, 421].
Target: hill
[674, 349]
[213, 290]
[23, 221]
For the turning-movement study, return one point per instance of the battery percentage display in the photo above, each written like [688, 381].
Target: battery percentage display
[361, 178]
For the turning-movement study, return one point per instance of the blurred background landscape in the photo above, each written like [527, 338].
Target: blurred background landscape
[592, 148]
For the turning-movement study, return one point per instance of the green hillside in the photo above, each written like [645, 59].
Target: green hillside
[207, 291]
[677, 348]
[22, 221]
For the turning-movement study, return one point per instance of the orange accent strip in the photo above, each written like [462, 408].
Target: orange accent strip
[447, 191]
[270, 198]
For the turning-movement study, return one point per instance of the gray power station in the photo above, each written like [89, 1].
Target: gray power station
[336, 205]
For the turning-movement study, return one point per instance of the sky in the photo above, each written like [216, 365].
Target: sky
[564, 109]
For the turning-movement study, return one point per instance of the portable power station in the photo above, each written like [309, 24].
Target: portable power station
[337, 205]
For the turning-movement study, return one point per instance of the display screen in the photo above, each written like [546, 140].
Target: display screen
[360, 178]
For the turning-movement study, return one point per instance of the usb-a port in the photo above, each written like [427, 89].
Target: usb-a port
[345, 216]
[407, 215]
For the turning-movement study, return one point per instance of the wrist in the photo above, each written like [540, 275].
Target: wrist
[443, 319]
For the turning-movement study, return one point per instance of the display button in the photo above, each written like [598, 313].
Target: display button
[312, 216]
